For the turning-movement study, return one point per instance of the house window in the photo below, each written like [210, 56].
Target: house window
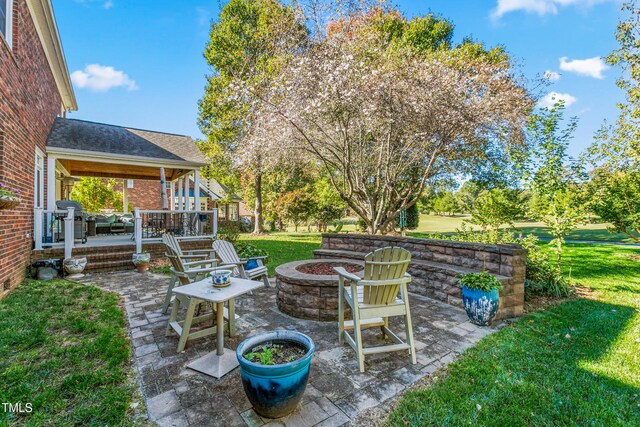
[6, 20]
[222, 212]
[38, 179]
[233, 212]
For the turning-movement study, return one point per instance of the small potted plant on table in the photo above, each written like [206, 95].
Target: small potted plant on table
[480, 295]
[274, 367]
[141, 261]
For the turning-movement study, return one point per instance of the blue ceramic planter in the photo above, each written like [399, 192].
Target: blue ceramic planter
[481, 306]
[275, 390]
[251, 264]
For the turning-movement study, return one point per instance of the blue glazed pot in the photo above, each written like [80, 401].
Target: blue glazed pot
[251, 264]
[275, 390]
[481, 306]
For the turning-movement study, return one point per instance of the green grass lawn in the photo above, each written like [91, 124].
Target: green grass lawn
[577, 363]
[64, 348]
[285, 247]
[447, 224]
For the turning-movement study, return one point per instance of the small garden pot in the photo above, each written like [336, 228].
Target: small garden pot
[275, 390]
[74, 267]
[481, 306]
[142, 267]
[251, 264]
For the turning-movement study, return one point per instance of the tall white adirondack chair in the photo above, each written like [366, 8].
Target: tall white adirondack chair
[381, 293]
[228, 256]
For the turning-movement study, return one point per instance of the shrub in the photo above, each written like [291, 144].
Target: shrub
[542, 277]
[413, 217]
[482, 281]
[229, 230]
[246, 250]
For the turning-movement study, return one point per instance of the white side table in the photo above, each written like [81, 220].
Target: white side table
[219, 362]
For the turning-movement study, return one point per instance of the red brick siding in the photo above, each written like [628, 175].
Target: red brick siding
[144, 194]
[29, 103]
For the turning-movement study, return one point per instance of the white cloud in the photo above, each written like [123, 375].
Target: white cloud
[591, 67]
[552, 76]
[541, 7]
[549, 100]
[101, 78]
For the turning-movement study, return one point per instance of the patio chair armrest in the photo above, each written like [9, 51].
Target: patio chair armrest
[198, 251]
[344, 273]
[259, 257]
[202, 262]
[206, 270]
[234, 264]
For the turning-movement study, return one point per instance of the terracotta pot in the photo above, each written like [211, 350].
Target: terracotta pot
[142, 267]
[9, 202]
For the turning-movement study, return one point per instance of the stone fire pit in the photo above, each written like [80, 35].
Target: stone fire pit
[308, 290]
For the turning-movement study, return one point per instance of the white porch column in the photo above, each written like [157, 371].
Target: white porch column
[69, 233]
[51, 183]
[137, 230]
[37, 228]
[196, 190]
[180, 196]
[125, 195]
[170, 195]
[187, 205]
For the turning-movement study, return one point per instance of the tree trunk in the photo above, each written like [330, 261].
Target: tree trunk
[259, 221]
[559, 253]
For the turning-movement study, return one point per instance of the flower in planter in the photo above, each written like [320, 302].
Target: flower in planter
[6, 192]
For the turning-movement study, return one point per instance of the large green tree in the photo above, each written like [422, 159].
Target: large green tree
[615, 155]
[246, 46]
[96, 194]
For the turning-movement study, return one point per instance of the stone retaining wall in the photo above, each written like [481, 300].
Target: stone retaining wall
[436, 264]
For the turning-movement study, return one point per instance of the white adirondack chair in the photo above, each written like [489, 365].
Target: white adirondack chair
[171, 241]
[381, 293]
[228, 256]
[192, 264]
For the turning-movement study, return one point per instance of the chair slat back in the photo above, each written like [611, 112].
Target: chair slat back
[226, 252]
[173, 241]
[178, 268]
[384, 264]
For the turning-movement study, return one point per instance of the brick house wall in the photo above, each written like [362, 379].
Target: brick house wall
[145, 194]
[29, 103]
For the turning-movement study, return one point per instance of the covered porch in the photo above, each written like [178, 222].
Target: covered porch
[169, 163]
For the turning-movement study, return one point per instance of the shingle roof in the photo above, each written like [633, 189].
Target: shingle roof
[110, 139]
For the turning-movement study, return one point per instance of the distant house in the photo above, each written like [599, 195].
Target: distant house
[228, 204]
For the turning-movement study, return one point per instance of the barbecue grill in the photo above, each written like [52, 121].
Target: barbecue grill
[79, 219]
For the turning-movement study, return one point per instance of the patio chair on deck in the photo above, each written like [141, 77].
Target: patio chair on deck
[374, 298]
[171, 241]
[228, 256]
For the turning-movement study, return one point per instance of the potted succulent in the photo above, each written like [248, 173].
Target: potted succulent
[9, 198]
[480, 296]
[141, 261]
[274, 367]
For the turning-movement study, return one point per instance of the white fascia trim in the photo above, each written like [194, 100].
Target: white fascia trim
[121, 159]
[41, 12]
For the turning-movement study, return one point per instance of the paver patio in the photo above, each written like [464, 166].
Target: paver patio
[337, 392]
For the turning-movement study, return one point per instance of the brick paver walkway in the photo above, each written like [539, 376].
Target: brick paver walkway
[337, 392]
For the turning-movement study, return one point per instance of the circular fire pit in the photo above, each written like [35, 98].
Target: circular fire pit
[308, 289]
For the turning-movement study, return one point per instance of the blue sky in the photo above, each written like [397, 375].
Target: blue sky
[139, 63]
